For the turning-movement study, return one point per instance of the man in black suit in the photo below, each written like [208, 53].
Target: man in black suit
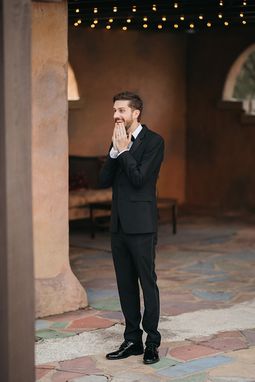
[132, 169]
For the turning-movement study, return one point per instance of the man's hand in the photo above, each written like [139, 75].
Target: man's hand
[120, 138]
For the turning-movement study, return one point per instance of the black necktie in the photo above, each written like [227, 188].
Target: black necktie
[132, 138]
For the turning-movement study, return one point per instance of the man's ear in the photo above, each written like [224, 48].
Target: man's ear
[136, 113]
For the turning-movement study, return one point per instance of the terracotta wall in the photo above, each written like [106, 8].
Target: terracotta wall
[220, 149]
[152, 64]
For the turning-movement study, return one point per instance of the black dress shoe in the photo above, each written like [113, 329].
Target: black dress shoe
[127, 348]
[151, 354]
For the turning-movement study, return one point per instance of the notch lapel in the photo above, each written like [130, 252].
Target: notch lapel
[138, 140]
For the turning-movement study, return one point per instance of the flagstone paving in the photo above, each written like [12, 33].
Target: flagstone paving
[209, 264]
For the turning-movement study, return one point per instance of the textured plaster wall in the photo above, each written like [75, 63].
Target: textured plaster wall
[57, 289]
[152, 64]
[220, 149]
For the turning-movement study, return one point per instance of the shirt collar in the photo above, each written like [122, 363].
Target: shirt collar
[137, 131]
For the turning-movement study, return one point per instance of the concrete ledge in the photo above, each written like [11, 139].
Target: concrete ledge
[248, 119]
[231, 105]
[60, 294]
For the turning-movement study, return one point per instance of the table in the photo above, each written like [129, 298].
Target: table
[161, 203]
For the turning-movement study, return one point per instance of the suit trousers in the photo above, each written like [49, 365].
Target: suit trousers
[134, 262]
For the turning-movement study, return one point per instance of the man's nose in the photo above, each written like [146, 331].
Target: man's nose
[116, 115]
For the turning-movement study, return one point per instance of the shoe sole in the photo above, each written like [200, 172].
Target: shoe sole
[124, 356]
[150, 362]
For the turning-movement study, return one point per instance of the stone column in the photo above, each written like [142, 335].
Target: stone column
[16, 236]
[57, 289]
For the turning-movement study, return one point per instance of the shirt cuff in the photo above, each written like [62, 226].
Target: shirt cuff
[113, 153]
[122, 152]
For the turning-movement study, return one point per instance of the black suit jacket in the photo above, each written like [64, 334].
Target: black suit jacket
[133, 176]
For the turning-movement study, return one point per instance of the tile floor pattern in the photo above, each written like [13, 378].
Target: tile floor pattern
[209, 264]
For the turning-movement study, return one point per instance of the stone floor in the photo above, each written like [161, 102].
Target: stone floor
[206, 276]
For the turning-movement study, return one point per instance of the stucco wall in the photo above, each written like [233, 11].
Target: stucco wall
[220, 149]
[152, 64]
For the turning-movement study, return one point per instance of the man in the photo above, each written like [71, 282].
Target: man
[132, 169]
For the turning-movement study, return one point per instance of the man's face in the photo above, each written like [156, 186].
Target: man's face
[122, 112]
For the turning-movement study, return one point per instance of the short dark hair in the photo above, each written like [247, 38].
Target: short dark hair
[135, 101]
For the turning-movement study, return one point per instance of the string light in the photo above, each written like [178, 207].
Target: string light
[222, 14]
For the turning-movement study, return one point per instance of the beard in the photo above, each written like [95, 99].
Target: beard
[127, 123]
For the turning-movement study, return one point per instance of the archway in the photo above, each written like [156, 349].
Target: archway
[72, 88]
[240, 82]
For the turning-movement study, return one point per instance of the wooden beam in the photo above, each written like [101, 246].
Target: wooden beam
[16, 238]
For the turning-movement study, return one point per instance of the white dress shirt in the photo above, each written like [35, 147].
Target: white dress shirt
[115, 153]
